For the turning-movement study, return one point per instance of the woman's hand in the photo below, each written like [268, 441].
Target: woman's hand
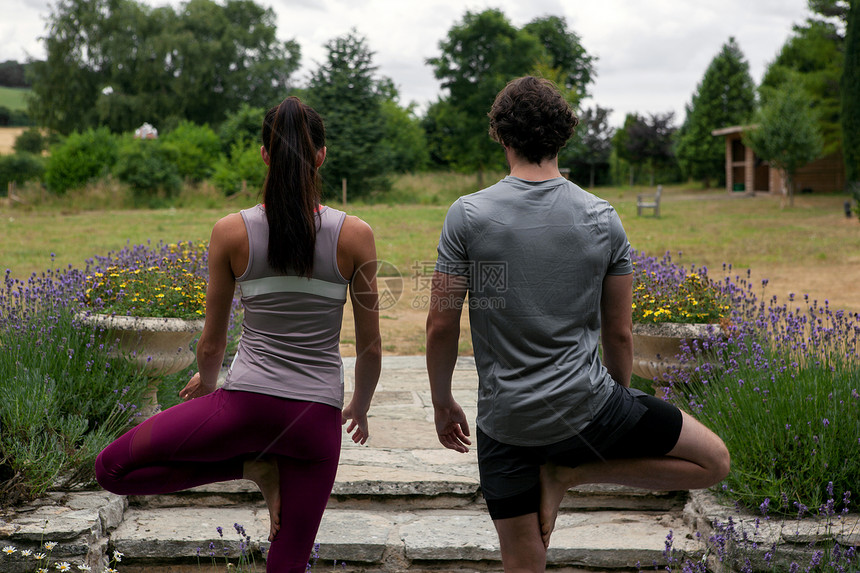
[196, 388]
[357, 418]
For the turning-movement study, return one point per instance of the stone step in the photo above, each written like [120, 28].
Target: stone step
[169, 539]
[89, 526]
[395, 479]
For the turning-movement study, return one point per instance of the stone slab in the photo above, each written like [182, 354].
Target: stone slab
[595, 540]
[186, 532]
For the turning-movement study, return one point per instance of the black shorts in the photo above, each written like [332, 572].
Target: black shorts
[510, 475]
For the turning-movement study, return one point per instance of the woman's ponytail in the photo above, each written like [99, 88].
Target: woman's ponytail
[293, 133]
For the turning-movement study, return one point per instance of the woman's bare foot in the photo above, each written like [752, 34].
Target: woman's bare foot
[264, 472]
[552, 490]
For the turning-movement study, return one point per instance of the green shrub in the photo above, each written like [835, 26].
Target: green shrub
[242, 128]
[149, 168]
[19, 167]
[13, 117]
[30, 141]
[243, 164]
[195, 148]
[80, 158]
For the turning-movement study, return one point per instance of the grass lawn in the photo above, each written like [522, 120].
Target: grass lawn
[810, 248]
[14, 98]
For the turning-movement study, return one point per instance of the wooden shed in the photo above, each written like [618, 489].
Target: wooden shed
[746, 173]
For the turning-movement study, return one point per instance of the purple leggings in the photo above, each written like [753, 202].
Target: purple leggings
[208, 439]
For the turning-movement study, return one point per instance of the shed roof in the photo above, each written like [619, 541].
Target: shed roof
[733, 129]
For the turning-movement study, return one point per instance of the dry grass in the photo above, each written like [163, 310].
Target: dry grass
[8, 135]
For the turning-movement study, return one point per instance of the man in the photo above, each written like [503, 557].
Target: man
[547, 270]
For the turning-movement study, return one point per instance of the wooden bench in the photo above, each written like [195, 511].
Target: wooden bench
[649, 201]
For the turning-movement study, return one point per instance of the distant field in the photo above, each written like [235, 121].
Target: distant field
[8, 135]
[14, 98]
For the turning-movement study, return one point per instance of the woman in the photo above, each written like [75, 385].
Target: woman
[277, 418]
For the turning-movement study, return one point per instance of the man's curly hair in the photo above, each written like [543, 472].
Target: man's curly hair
[531, 116]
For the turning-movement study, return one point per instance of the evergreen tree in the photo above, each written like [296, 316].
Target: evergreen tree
[724, 97]
[348, 96]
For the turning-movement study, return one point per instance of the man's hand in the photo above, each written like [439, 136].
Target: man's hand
[452, 427]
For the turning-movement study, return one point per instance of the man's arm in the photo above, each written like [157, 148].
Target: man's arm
[443, 334]
[616, 326]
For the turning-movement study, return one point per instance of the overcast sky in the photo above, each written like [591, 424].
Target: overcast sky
[651, 53]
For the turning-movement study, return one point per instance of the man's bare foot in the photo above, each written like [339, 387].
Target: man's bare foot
[552, 490]
[264, 472]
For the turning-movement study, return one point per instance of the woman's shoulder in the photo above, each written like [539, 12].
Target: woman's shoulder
[357, 227]
[230, 227]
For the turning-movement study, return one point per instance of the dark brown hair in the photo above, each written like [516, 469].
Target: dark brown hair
[293, 133]
[531, 116]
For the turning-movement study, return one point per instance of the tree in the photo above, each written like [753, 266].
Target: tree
[786, 133]
[851, 103]
[404, 140]
[346, 93]
[724, 97]
[812, 59]
[647, 141]
[119, 63]
[592, 142]
[831, 8]
[566, 54]
[478, 57]
[13, 74]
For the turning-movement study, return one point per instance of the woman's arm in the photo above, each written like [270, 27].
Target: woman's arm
[225, 244]
[360, 252]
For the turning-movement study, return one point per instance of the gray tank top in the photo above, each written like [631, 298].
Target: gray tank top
[290, 345]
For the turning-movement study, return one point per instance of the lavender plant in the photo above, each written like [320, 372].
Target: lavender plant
[780, 386]
[819, 540]
[62, 397]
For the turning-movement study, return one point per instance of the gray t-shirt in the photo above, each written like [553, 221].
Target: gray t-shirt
[535, 254]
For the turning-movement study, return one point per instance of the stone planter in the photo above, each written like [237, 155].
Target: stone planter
[656, 348]
[159, 346]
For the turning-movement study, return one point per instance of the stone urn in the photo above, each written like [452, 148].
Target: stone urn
[656, 348]
[159, 346]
